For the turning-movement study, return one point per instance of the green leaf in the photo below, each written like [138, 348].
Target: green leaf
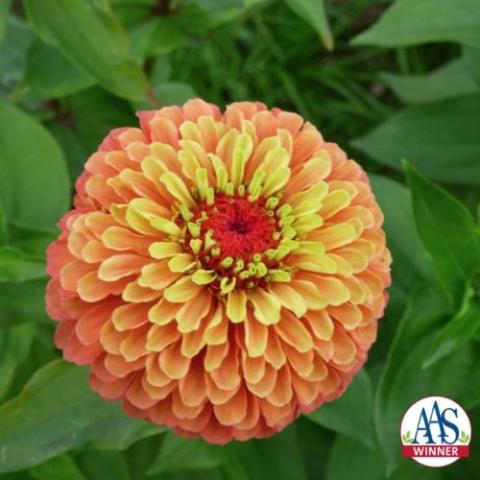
[93, 40]
[57, 468]
[55, 412]
[411, 265]
[32, 241]
[4, 12]
[15, 310]
[351, 460]
[15, 345]
[276, 458]
[15, 266]
[92, 114]
[157, 36]
[313, 12]
[351, 414]
[458, 331]
[17, 39]
[440, 139]
[450, 80]
[174, 93]
[49, 74]
[34, 185]
[178, 454]
[449, 233]
[411, 22]
[103, 465]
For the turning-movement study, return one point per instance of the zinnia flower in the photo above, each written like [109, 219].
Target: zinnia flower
[220, 273]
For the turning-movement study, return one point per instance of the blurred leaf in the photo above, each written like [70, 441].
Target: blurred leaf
[174, 93]
[425, 310]
[4, 12]
[458, 331]
[432, 137]
[449, 233]
[55, 412]
[103, 465]
[276, 458]
[411, 264]
[34, 186]
[15, 266]
[49, 74]
[315, 444]
[93, 39]
[472, 61]
[18, 38]
[141, 454]
[177, 454]
[410, 22]
[15, 344]
[352, 460]
[450, 80]
[218, 4]
[3, 228]
[32, 241]
[196, 20]
[57, 468]
[14, 309]
[86, 118]
[351, 414]
[313, 12]
[157, 36]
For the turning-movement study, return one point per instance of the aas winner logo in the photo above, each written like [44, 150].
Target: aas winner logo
[435, 432]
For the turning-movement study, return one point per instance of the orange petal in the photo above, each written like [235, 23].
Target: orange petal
[292, 331]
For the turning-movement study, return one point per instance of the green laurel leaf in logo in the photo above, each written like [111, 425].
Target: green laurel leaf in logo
[464, 438]
[406, 437]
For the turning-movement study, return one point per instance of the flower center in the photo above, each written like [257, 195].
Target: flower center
[241, 228]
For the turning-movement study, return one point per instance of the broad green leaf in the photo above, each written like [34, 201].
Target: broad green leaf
[34, 186]
[174, 93]
[15, 344]
[15, 266]
[92, 113]
[55, 412]
[411, 264]
[315, 444]
[313, 12]
[472, 62]
[441, 139]
[32, 241]
[14, 309]
[3, 228]
[449, 233]
[48, 74]
[458, 331]
[58, 468]
[351, 414]
[410, 22]
[178, 454]
[157, 36]
[17, 39]
[141, 454]
[93, 40]
[450, 80]
[4, 11]
[352, 460]
[103, 465]
[276, 458]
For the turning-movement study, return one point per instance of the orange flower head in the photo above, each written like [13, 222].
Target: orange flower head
[221, 273]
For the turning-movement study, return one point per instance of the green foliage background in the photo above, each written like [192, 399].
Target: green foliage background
[386, 80]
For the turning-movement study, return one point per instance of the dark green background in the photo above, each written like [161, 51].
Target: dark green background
[386, 80]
